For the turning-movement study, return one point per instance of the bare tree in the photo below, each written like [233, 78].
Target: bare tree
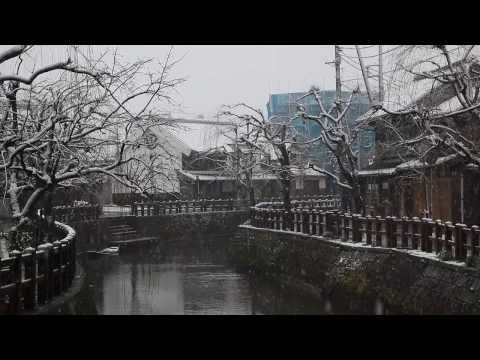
[441, 120]
[153, 165]
[339, 137]
[265, 136]
[79, 124]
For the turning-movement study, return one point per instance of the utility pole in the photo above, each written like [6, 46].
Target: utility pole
[364, 74]
[237, 164]
[338, 83]
[380, 74]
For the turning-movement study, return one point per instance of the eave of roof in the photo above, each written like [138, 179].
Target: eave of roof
[408, 165]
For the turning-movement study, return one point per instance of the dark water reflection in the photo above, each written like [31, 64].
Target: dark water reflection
[191, 277]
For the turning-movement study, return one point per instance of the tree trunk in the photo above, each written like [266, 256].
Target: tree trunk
[252, 196]
[357, 202]
[285, 180]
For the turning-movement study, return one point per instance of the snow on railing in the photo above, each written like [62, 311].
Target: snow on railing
[448, 241]
[35, 276]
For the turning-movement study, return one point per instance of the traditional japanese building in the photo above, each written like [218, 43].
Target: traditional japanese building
[396, 181]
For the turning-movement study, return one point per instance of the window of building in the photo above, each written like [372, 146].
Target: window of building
[385, 185]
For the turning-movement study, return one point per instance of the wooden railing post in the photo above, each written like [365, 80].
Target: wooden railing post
[43, 271]
[376, 237]
[300, 219]
[343, 227]
[417, 224]
[428, 234]
[370, 230]
[337, 223]
[362, 229]
[305, 211]
[58, 287]
[17, 279]
[295, 221]
[356, 236]
[29, 257]
[391, 230]
[409, 225]
[324, 223]
[317, 223]
[398, 232]
[437, 237]
[310, 221]
[65, 264]
[459, 242]
[447, 238]
[270, 219]
[383, 241]
[474, 248]
[469, 235]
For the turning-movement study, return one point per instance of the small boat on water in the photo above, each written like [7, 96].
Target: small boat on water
[112, 250]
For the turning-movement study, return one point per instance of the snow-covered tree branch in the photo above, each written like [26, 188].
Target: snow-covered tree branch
[78, 124]
[339, 137]
[440, 120]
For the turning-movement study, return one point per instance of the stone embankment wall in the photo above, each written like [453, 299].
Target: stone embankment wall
[404, 280]
[94, 234]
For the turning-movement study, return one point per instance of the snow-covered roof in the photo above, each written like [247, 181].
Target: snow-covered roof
[387, 171]
[211, 175]
[167, 136]
[408, 165]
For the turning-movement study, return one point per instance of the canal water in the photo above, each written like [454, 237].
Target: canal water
[192, 277]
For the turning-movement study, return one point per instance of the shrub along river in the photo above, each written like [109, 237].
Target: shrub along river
[193, 276]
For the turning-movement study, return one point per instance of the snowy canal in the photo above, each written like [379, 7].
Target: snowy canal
[192, 277]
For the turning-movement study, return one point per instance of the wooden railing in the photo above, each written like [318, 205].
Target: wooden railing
[208, 205]
[35, 276]
[322, 203]
[70, 214]
[185, 206]
[450, 241]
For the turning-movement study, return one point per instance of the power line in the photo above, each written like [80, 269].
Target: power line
[376, 55]
[364, 47]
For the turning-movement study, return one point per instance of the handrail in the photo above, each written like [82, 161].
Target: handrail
[150, 208]
[34, 277]
[446, 240]
[186, 206]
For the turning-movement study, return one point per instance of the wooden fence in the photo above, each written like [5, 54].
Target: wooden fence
[68, 214]
[452, 241]
[35, 276]
[185, 206]
[208, 205]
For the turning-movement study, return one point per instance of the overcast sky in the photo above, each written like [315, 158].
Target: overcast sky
[228, 74]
